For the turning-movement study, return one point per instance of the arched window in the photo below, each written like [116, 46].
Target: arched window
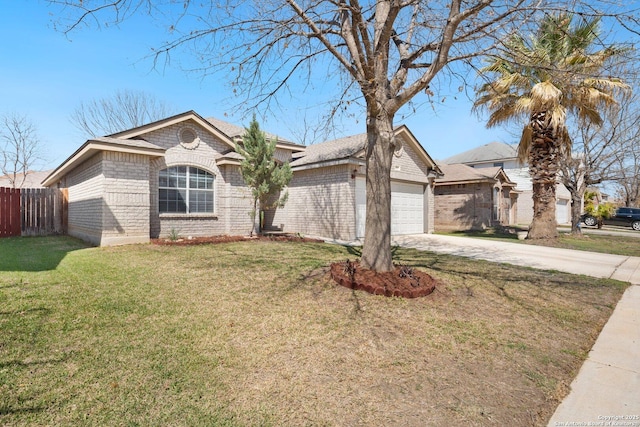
[185, 189]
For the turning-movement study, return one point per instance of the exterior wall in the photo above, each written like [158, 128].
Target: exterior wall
[232, 200]
[86, 185]
[237, 201]
[321, 203]
[125, 215]
[463, 207]
[430, 208]
[109, 199]
[408, 163]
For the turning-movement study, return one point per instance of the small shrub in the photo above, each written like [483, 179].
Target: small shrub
[174, 234]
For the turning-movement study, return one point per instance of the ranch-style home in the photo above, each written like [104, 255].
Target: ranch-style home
[182, 175]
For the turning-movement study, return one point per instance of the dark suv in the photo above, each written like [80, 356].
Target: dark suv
[624, 217]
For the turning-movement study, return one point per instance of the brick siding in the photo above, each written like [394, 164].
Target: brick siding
[232, 200]
[321, 203]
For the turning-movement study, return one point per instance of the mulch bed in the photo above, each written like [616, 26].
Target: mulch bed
[231, 239]
[403, 282]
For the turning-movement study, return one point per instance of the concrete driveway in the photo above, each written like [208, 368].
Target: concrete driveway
[606, 390]
[619, 267]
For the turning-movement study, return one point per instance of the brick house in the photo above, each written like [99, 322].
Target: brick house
[499, 154]
[181, 174]
[467, 198]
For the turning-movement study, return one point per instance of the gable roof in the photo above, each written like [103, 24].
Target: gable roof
[236, 132]
[494, 151]
[129, 141]
[337, 149]
[463, 174]
[105, 143]
[178, 118]
[351, 149]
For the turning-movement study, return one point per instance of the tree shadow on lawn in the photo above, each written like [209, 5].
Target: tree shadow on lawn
[36, 253]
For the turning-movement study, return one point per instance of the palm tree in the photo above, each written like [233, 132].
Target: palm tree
[542, 79]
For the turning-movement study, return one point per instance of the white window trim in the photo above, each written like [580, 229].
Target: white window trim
[188, 214]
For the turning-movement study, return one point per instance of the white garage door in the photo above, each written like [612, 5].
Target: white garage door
[562, 211]
[407, 208]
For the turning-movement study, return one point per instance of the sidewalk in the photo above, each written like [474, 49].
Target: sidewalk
[606, 391]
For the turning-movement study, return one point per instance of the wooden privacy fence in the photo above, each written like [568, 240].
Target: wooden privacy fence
[33, 211]
[9, 212]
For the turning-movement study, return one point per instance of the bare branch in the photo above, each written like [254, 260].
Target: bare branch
[124, 110]
[20, 148]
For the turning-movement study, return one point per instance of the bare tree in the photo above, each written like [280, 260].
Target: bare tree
[385, 52]
[625, 166]
[124, 110]
[603, 153]
[20, 148]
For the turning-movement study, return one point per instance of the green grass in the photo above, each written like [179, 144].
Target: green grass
[255, 333]
[617, 245]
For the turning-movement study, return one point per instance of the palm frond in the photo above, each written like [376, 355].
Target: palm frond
[545, 95]
[525, 144]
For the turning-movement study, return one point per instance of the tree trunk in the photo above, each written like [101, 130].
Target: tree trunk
[544, 224]
[376, 250]
[544, 158]
[576, 211]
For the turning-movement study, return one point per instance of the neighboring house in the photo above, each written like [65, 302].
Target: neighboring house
[498, 154]
[32, 180]
[182, 175]
[469, 198]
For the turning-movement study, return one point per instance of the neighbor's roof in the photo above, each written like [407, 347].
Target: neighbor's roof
[494, 151]
[459, 173]
[105, 143]
[32, 180]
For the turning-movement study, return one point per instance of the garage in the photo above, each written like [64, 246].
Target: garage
[407, 207]
[562, 211]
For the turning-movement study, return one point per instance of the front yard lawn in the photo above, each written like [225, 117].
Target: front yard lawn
[255, 333]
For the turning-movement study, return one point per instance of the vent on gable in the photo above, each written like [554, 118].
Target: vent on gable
[188, 137]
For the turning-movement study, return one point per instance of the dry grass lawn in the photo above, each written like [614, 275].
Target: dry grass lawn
[257, 334]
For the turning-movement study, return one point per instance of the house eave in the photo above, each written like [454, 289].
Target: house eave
[89, 149]
[232, 162]
[466, 181]
[328, 163]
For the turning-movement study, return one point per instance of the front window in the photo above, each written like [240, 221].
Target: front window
[185, 189]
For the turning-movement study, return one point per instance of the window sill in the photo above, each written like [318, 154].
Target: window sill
[188, 216]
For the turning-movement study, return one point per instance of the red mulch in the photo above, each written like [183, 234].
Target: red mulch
[403, 282]
[231, 239]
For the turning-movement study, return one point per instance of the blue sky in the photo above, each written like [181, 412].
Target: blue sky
[46, 75]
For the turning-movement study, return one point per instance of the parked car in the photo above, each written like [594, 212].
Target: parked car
[625, 217]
